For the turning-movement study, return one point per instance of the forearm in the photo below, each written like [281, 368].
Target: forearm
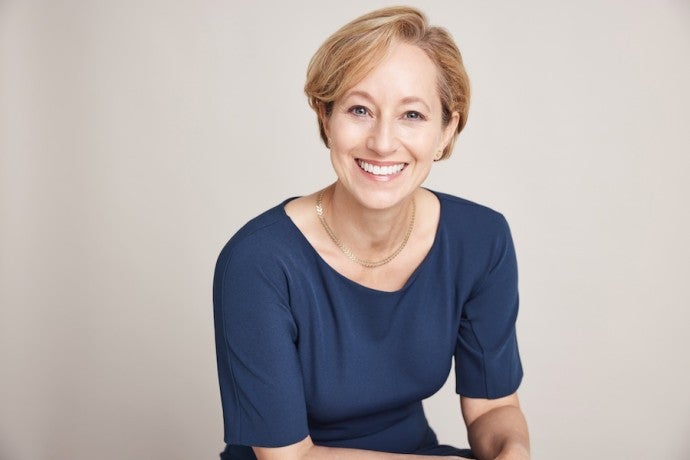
[501, 433]
[306, 450]
[328, 453]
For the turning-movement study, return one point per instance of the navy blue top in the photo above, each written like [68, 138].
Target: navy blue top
[303, 350]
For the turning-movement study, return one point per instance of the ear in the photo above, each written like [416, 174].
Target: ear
[450, 130]
[324, 118]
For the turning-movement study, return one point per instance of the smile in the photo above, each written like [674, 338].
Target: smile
[377, 170]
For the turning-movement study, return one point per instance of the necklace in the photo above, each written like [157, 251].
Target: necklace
[347, 251]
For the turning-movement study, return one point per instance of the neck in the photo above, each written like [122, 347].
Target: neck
[370, 233]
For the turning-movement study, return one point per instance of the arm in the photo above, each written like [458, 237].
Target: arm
[487, 360]
[306, 450]
[496, 428]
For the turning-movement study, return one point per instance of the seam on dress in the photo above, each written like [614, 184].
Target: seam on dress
[227, 350]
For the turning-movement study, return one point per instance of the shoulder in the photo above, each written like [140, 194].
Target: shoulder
[468, 217]
[264, 237]
[479, 235]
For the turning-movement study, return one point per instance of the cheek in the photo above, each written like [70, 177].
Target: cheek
[347, 134]
[423, 142]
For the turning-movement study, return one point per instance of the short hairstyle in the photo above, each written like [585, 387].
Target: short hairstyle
[348, 55]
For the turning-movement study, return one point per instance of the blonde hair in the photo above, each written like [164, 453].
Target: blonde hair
[355, 49]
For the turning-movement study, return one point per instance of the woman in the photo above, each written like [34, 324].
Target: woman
[337, 313]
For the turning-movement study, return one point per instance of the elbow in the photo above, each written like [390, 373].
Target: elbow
[302, 450]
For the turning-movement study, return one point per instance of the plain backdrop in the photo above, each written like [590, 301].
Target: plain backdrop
[137, 136]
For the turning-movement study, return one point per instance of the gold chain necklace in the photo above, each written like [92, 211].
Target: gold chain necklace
[347, 251]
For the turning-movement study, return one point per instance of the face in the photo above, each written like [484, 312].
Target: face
[386, 131]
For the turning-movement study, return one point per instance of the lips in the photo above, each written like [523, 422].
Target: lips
[381, 170]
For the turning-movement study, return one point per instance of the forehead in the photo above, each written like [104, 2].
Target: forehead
[405, 71]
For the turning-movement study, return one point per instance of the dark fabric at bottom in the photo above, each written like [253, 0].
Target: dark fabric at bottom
[444, 450]
[237, 453]
[246, 453]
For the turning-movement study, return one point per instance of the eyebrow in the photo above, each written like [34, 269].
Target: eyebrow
[405, 100]
[412, 99]
[363, 94]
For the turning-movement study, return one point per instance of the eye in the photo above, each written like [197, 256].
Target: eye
[358, 110]
[414, 115]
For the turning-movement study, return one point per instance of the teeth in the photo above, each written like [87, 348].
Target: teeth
[380, 170]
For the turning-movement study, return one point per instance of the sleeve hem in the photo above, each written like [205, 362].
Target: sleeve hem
[258, 442]
[486, 394]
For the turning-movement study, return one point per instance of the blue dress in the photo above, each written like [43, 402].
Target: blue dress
[302, 350]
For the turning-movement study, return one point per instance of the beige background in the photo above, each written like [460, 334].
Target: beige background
[137, 136]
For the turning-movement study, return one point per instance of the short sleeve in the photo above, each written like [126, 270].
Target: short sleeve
[487, 361]
[258, 366]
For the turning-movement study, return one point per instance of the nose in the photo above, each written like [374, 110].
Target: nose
[382, 138]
